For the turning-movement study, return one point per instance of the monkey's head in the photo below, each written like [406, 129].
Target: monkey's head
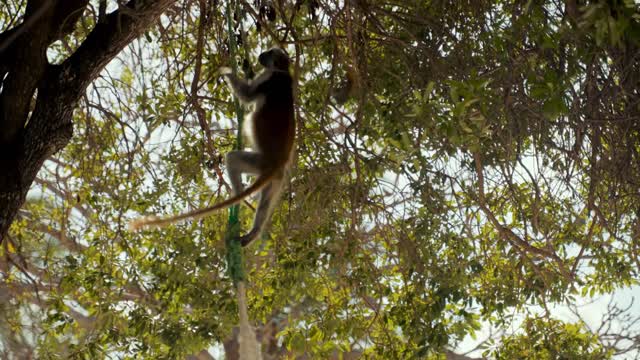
[275, 59]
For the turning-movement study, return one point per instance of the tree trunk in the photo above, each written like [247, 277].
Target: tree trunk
[27, 138]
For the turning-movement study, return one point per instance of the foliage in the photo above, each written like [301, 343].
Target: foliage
[487, 160]
[551, 339]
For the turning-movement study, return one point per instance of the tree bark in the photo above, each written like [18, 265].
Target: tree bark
[29, 134]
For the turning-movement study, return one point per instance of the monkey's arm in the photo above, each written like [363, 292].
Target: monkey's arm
[245, 91]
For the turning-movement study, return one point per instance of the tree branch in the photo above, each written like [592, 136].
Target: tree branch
[108, 38]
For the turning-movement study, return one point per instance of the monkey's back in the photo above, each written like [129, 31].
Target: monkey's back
[274, 120]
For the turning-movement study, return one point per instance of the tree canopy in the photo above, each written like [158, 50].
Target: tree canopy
[460, 166]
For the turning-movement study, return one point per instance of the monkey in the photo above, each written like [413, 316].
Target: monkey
[272, 133]
[346, 89]
[342, 92]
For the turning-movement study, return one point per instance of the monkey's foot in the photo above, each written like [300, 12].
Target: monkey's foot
[247, 239]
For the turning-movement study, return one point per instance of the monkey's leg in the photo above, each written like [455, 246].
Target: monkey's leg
[242, 162]
[268, 197]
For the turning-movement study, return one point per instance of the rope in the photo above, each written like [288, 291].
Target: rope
[234, 248]
[249, 349]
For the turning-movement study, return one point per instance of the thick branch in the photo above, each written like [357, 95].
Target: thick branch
[64, 84]
[50, 127]
[107, 39]
[24, 59]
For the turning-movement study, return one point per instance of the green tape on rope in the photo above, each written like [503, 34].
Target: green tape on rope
[234, 251]
[234, 248]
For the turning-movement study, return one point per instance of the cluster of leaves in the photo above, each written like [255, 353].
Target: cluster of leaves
[486, 160]
[551, 339]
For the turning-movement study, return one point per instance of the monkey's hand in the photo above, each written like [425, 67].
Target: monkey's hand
[225, 71]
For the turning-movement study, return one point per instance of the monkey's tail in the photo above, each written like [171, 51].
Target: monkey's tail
[158, 222]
